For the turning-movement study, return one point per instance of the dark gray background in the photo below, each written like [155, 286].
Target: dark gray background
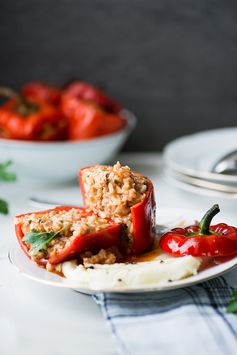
[174, 63]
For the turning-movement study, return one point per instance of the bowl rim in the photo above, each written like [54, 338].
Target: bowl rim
[17, 143]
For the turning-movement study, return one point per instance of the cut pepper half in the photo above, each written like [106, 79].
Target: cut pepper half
[142, 223]
[67, 247]
[143, 219]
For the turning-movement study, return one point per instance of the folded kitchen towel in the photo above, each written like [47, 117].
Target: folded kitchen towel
[185, 321]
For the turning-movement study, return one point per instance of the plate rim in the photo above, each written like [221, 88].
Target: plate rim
[197, 190]
[185, 282]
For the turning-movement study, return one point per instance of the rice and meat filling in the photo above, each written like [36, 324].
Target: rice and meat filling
[65, 224]
[111, 191]
[104, 256]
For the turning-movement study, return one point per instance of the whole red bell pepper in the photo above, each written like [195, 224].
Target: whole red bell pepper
[143, 217]
[25, 119]
[95, 241]
[87, 120]
[202, 239]
[37, 90]
[85, 91]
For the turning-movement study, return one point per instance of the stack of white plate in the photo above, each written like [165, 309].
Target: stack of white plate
[189, 161]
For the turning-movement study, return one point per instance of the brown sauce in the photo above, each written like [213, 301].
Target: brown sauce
[154, 251]
[149, 255]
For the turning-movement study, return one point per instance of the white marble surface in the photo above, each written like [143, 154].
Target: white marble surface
[38, 319]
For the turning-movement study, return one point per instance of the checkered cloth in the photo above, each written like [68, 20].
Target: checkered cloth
[186, 321]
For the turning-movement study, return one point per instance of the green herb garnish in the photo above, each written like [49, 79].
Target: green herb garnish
[3, 207]
[38, 240]
[232, 307]
[4, 174]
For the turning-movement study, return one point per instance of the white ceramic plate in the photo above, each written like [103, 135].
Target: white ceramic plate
[175, 179]
[169, 217]
[196, 154]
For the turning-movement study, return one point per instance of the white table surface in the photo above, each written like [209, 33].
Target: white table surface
[36, 319]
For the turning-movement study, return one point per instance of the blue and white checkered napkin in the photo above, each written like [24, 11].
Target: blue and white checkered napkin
[186, 321]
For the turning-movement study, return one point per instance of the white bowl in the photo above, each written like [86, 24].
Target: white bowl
[59, 161]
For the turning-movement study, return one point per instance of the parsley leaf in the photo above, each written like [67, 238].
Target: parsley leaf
[38, 240]
[4, 174]
[3, 207]
[232, 307]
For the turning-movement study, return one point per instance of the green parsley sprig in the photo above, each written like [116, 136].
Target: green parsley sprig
[232, 307]
[5, 175]
[38, 240]
[3, 207]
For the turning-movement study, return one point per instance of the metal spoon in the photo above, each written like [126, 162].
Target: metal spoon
[227, 164]
[39, 203]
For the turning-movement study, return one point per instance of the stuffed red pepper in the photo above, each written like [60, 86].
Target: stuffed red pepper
[37, 90]
[126, 197]
[88, 92]
[86, 119]
[30, 119]
[63, 233]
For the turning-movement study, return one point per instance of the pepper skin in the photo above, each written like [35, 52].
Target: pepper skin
[43, 123]
[143, 217]
[113, 123]
[87, 120]
[37, 90]
[202, 240]
[102, 239]
[85, 91]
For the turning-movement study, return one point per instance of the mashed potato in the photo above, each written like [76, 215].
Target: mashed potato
[161, 270]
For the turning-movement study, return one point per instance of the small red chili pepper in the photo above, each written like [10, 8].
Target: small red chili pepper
[104, 238]
[202, 239]
[25, 119]
[143, 217]
[85, 91]
[37, 90]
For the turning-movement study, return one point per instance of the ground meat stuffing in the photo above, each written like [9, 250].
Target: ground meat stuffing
[105, 256]
[111, 191]
[87, 258]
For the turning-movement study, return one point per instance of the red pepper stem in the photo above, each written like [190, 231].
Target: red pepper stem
[7, 92]
[207, 218]
[23, 106]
